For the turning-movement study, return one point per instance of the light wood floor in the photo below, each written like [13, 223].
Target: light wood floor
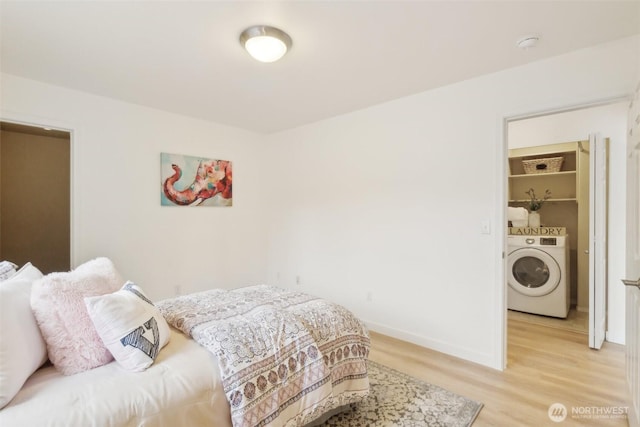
[545, 366]
[577, 321]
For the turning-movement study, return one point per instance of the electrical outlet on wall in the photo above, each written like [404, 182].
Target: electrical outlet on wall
[298, 280]
[178, 290]
[369, 296]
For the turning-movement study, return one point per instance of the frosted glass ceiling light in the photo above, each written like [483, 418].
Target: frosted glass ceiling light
[266, 44]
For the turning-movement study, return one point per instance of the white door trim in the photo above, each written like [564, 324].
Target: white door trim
[500, 324]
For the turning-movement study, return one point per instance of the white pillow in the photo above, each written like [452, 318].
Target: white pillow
[130, 326]
[22, 348]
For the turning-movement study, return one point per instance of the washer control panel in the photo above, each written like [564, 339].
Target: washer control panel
[548, 241]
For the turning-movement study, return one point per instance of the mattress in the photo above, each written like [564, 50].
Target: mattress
[182, 387]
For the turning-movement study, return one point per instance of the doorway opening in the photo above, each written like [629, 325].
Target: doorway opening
[35, 196]
[571, 127]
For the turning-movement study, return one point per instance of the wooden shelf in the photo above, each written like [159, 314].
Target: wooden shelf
[537, 175]
[562, 184]
[568, 199]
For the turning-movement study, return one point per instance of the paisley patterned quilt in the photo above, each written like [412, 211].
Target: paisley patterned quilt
[286, 358]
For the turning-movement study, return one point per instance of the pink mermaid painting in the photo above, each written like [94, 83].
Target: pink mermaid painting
[206, 182]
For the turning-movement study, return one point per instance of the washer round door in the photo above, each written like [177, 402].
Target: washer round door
[533, 272]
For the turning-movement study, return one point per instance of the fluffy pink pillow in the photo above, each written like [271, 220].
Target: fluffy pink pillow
[57, 301]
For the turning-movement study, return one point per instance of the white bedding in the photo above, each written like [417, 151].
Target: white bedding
[182, 388]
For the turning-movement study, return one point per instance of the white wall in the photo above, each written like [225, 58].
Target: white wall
[386, 202]
[389, 201]
[611, 121]
[116, 190]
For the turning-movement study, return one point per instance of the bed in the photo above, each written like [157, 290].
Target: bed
[254, 356]
[182, 388]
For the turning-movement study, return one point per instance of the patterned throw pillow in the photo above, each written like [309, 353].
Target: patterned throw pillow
[131, 327]
[7, 269]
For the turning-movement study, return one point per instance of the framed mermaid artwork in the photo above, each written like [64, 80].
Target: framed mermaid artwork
[195, 181]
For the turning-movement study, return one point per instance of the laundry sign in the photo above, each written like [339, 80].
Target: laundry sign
[537, 231]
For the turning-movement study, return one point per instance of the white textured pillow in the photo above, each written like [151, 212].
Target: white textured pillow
[131, 327]
[57, 301]
[22, 349]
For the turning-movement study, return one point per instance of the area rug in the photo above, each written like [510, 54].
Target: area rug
[397, 399]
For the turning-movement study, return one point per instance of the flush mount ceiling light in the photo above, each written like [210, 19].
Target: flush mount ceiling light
[264, 43]
[528, 42]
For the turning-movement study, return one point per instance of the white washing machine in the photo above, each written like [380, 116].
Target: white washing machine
[538, 275]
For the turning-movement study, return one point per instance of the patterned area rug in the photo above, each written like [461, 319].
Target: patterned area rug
[396, 399]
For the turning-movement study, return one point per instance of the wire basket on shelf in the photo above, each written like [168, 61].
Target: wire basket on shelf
[548, 165]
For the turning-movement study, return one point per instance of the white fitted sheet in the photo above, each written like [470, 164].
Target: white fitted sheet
[182, 388]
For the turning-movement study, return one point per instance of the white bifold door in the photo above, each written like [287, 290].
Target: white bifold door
[598, 162]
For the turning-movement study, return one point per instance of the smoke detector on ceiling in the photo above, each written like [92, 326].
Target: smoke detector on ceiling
[528, 42]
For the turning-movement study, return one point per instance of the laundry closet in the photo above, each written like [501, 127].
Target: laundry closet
[561, 171]
[597, 295]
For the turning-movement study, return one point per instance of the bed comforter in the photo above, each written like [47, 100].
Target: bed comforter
[286, 358]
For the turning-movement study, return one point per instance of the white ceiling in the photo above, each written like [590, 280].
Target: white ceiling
[184, 56]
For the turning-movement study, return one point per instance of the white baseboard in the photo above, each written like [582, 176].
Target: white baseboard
[437, 345]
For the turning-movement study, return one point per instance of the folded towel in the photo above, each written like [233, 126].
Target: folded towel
[519, 217]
